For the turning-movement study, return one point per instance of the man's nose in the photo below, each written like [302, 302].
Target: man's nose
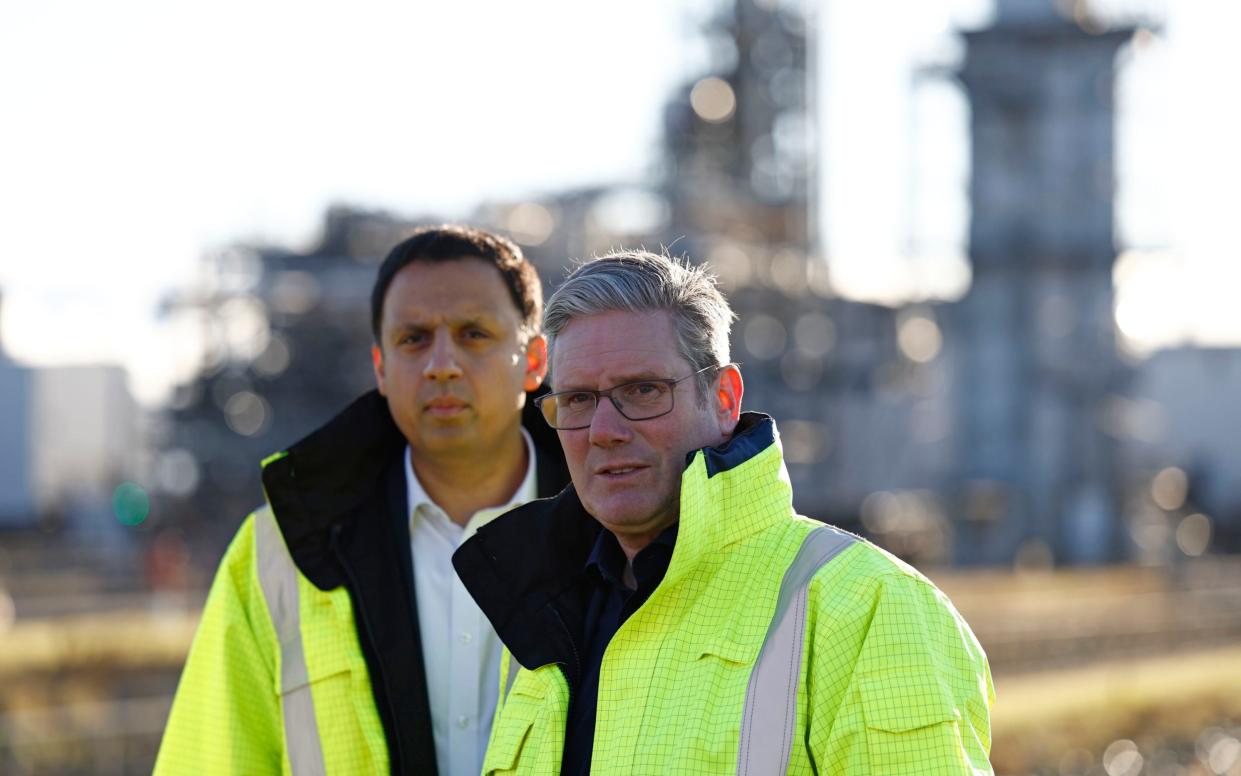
[608, 427]
[442, 360]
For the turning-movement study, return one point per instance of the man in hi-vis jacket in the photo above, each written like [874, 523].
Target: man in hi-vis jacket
[670, 613]
[336, 637]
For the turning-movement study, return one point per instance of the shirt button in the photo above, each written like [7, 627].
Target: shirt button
[465, 638]
[463, 721]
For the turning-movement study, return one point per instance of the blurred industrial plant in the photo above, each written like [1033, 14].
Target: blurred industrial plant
[1081, 504]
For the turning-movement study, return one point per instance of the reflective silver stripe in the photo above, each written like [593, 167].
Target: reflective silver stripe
[768, 721]
[278, 578]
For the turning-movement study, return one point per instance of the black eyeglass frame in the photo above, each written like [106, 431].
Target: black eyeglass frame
[607, 393]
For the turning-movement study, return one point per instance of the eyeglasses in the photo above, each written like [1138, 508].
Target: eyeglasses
[639, 400]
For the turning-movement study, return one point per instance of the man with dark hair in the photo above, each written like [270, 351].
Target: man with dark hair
[669, 613]
[336, 637]
[450, 243]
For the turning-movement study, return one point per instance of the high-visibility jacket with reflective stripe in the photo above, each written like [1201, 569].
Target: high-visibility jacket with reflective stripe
[308, 658]
[242, 705]
[881, 675]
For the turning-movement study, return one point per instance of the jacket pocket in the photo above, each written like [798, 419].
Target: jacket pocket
[728, 651]
[299, 670]
[513, 727]
[911, 724]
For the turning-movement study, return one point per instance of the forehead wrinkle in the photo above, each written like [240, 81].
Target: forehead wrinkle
[592, 375]
[605, 349]
[623, 378]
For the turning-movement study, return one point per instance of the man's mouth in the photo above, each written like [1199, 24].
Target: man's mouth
[444, 406]
[618, 470]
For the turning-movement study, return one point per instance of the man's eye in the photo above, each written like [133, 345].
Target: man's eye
[573, 401]
[412, 338]
[644, 391]
[475, 334]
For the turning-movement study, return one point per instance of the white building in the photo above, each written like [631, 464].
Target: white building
[68, 437]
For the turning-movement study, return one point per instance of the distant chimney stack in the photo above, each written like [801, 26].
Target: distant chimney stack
[1034, 12]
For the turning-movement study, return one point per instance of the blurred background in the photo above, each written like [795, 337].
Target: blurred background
[983, 254]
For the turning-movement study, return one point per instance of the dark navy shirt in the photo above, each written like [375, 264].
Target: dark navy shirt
[609, 604]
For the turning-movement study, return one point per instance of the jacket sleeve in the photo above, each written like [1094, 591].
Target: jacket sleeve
[226, 717]
[911, 694]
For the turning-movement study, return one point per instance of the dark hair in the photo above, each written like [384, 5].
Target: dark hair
[451, 242]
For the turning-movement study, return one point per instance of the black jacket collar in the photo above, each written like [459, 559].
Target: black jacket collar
[326, 479]
[525, 569]
[339, 499]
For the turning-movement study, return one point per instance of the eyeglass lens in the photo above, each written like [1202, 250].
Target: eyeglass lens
[636, 401]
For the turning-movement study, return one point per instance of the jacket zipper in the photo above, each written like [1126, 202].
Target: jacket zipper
[577, 659]
[397, 762]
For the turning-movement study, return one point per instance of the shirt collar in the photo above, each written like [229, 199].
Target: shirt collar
[416, 495]
[606, 562]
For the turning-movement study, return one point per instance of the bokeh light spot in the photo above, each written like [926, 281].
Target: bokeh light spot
[788, 272]
[247, 413]
[919, 339]
[245, 327]
[1224, 754]
[1193, 534]
[805, 441]
[1149, 529]
[130, 503]
[713, 100]
[765, 337]
[177, 472]
[530, 223]
[1169, 488]
[631, 211]
[814, 334]
[295, 292]
[273, 361]
[1122, 758]
[731, 265]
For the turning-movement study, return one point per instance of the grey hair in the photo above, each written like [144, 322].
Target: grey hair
[639, 281]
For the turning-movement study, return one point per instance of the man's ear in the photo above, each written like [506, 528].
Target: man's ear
[728, 390]
[536, 362]
[377, 363]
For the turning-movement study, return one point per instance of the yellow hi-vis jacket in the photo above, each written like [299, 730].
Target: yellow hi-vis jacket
[308, 657]
[245, 691]
[774, 644]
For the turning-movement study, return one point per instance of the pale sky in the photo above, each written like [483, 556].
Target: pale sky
[139, 134]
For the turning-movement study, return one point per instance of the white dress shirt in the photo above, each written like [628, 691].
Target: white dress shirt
[461, 652]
